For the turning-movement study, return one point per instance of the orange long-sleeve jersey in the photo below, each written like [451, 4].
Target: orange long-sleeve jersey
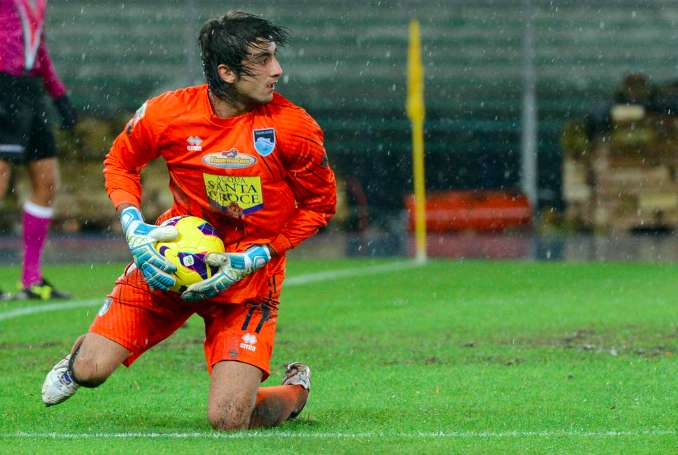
[259, 177]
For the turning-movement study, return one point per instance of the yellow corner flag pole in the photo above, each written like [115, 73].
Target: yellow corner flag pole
[415, 111]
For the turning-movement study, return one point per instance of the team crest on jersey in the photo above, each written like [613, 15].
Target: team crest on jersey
[105, 307]
[194, 144]
[264, 141]
[231, 159]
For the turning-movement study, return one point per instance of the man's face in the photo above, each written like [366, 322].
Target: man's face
[264, 71]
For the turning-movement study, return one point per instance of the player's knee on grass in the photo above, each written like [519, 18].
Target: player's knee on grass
[94, 358]
[87, 373]
[231, 414]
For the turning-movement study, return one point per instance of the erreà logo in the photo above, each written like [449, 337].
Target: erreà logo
[249, 340]
[194, 144]
[231, 159]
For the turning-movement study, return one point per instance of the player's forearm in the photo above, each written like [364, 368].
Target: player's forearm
[51, 81]
[122, 167]
[122, 185]
[304, 224]
[122, 197]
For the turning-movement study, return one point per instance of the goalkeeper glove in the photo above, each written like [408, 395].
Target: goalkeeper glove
[217, 283]
[232, 268]
[251, 260]
[141, 238]
[69, 116]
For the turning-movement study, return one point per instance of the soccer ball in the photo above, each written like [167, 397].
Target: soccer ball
[196, 238]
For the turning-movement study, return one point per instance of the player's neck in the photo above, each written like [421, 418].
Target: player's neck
[227, 108]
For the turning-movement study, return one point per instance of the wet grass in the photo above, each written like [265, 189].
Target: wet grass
[457, 356]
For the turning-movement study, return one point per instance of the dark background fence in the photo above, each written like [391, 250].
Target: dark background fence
[346, 65]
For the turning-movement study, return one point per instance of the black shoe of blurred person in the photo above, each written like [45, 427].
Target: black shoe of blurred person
[42, 290]
[4, 296]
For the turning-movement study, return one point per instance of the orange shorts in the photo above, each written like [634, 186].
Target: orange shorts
[138, 319]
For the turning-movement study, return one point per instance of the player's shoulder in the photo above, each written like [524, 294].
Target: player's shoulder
[289, 116]
[293, 123]
[179, 100]
[159, 113]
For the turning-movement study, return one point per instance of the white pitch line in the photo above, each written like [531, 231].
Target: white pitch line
[343, 435]
[47, 307]
[292, 281]
[361, 271]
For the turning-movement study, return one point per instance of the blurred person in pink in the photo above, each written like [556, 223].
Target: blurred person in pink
[26, 73]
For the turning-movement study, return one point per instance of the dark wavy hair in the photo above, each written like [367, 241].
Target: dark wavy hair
[225, 41]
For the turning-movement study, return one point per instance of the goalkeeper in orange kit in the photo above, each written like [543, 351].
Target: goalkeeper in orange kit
[253, 165]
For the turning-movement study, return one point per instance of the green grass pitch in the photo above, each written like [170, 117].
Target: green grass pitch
[452, 357]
